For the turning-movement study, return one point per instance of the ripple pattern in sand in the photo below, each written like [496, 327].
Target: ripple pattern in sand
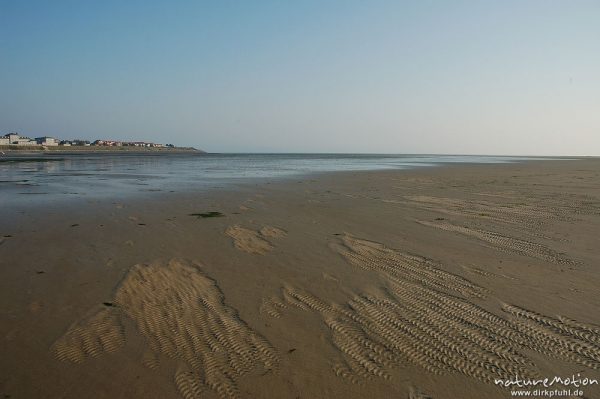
[512, 213]
[560, 337]
[504, 243]
[410, 324]
[101, 332]
[182, 315]
[400, 266]
[254, 242]
[272, 232]
[434, 325]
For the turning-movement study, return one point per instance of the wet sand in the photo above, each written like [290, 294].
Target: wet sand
[409, 284]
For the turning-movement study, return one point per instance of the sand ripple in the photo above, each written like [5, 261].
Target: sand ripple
[505, 243]
[254, 242]
[101, 332]
[181, 313]
[425, 317]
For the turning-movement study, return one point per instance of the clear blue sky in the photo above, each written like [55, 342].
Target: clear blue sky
[492, 77]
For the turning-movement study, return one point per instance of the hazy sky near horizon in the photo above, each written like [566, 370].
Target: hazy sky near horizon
[484, 77]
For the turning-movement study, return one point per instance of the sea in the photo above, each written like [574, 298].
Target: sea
[35, 179]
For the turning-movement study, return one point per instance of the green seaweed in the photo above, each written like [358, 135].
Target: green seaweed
[207, 215]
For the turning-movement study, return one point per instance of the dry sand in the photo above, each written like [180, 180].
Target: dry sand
[404, 284]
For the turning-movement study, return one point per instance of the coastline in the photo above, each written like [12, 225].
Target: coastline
[68, 150]
[296, 239]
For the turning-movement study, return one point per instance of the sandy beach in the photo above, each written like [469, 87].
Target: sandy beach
[424, 283]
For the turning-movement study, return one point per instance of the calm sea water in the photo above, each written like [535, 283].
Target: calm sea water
[59, 177]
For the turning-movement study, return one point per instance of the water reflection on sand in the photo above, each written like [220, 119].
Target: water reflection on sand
[119, 175]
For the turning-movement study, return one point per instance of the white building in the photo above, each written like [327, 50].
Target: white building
[47, 141]
[25, 141]
[15, 139]
[4, 140]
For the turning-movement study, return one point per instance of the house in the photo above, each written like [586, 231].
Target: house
[4, 140]
[15, 139]
[109, 143]
[47, 141]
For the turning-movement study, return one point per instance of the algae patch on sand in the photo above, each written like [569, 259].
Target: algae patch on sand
[207, 215]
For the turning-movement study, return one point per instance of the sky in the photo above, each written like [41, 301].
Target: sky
[445, 77]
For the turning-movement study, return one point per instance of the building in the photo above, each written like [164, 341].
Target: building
[108, 143]
[15, 139]
[47, 141]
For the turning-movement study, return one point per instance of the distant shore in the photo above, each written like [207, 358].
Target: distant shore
[94, 149]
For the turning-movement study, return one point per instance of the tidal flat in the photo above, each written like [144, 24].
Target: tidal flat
[428, 282]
